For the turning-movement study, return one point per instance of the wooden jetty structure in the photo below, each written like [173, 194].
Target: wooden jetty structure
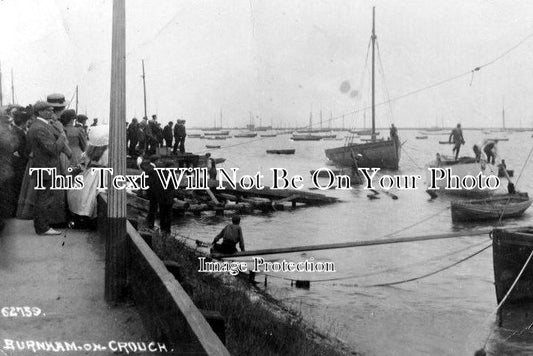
[230, 199]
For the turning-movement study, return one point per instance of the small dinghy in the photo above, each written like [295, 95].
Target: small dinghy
[212, 146]
[506, 206]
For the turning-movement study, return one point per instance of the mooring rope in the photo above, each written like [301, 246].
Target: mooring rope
[502, 302]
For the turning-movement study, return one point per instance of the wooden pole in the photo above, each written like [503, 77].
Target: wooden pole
[116, 247]
[274, 251]
[144, 91]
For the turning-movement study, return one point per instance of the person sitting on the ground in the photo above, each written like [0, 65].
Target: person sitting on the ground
[231, 235]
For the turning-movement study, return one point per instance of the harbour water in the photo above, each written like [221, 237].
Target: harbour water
[448, 313]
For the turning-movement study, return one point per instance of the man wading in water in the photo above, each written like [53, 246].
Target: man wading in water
[231, 235]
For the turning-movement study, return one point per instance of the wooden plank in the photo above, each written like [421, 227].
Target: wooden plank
[363, 243]
[200, 328]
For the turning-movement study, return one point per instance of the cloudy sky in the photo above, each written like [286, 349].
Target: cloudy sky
[279, 59]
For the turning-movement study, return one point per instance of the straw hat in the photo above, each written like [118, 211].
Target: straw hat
[56, 100]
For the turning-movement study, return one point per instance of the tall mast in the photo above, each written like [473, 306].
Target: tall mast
[12, 88]
[320, 118]
[503, 113]
[144, 90]
[76, 100]
[310, 120]
[373, 74]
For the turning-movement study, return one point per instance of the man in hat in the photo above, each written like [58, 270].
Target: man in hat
[167, 134]
[179, 135]
[46, 143]
[95, 122]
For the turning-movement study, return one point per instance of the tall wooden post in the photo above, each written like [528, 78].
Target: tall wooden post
[116, 248]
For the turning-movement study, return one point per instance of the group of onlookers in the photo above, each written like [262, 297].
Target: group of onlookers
[43, 135]
[143, 138]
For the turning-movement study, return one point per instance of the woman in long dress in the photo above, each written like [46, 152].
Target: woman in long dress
[83, 202]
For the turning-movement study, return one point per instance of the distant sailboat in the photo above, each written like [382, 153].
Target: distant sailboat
[376, 153]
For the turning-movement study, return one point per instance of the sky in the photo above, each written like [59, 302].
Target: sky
[278, 61]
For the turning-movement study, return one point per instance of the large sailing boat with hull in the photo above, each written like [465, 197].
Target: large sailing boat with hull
[375, 153]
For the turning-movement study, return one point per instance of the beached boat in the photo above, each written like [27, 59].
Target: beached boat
[194, 135]
[212, 146]
[464, 166]
[493, 208]
[421, 137]
[268, 135]
[289, 151]
[511, 248]
[375, 154]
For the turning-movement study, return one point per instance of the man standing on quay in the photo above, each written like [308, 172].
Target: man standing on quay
[46, 144]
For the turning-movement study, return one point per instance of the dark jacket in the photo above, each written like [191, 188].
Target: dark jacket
[46, 144]
[167, 133]
[156, 190]
[179, 130]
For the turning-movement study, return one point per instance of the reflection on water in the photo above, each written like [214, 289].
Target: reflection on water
[448, 313]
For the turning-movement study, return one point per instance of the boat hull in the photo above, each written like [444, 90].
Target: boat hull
[469, 167]
[282, 152]
[508, 206]
[378, 154]
[510, 250]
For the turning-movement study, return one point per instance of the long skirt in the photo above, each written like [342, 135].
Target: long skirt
[26, 201]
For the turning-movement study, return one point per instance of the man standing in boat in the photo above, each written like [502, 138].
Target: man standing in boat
[458, 140]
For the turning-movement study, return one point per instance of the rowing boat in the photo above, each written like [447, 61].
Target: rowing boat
[493, 208]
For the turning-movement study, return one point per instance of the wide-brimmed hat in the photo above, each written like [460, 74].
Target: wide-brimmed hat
[56, 100]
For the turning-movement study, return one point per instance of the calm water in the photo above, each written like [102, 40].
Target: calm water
[448, 313]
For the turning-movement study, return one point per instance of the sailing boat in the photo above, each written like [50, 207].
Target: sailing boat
[375, 153]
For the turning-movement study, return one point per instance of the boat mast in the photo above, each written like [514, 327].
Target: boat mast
[310, 120]
[503, 113]
[1, 102]
[12, 89]
[76, 100]
[144, 90]
[373, 74]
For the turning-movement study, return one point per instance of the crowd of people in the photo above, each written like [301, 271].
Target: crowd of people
[143, 138]
[49, 135]
[44, 135]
